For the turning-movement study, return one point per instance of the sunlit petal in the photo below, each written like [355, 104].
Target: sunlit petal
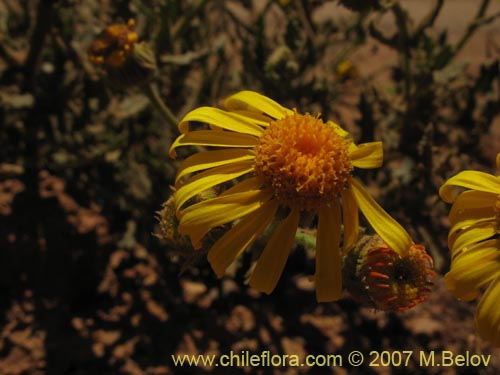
[472, 204]
[222, 119]
[256, 117]
[251, 183]
[214, 139]
[210, 178]
[368, 155]
[459, 240]
[384, 225]
[470, 180]
[473, 269]
[255, 102]
[209, 159]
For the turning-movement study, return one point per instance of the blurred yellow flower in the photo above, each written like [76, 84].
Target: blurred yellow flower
[474, 246]
[284, 160]
[112, 46]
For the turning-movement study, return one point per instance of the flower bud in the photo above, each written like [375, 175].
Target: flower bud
[375, 274]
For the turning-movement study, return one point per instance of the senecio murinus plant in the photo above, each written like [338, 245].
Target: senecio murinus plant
[271, 166]
[258, 173]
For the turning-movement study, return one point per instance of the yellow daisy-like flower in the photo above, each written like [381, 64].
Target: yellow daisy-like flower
[474, 245]
[283, 160]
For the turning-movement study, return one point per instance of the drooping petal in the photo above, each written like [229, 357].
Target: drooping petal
[473, 269]
[350, 219]
[255, 102]
[198, 219]
[488, 314]
[210, 159]
[328, 275]
[384, 225]
[210, 178]
[237, 239]
[472, 204]
[222, 119]
[272, 261]
[368, 155]
[214, 139]
[474, 180]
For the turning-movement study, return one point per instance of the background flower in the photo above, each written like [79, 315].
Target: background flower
[475, 251]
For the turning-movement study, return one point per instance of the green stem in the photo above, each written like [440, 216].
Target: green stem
[306, 238]
[152, 93]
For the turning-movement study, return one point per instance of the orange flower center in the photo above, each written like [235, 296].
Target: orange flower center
[305, 161]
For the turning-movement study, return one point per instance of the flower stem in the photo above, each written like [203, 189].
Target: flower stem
[306, 238]
[152, 93]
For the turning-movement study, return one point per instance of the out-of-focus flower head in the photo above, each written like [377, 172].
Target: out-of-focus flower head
[113, 45]
[474, 245]
[379, 277]
[117, 50]
[346, 70]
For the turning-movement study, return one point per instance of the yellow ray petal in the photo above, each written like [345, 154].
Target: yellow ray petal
[222, 119]
[198, 219]
[472, 204]
[473, 269]
[478, 246]
[209, 159]
[238, 238]
[384, 225]
[350, 219]
[368, 155]
[474, 180]
[255, 102]
[460, 240]
[328, 275]
[213, 138]
[257, 118]
[251, 183]
[339, 130]
[488, 314]
[271, 263]
[206, 180]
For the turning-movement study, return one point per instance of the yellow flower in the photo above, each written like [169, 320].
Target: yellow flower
[285, 161]
[474, 246]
